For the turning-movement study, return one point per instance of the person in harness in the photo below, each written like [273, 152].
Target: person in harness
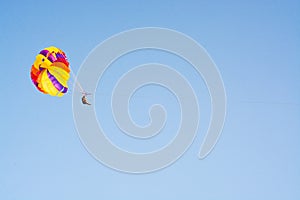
[84, 99]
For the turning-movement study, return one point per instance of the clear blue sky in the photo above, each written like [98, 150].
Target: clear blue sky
[256, 46]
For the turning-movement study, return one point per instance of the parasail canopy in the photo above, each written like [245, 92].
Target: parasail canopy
[50, 72]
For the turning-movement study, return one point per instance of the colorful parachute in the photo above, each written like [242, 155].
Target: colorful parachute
[50, 72]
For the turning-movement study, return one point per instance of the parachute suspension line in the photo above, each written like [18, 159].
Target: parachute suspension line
[83, 92]
[77, 82]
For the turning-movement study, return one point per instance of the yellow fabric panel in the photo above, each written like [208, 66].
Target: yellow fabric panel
[62, 66]
[59, 94]
[47, 85]
[38, 61]
[60, 71]
[61, 75]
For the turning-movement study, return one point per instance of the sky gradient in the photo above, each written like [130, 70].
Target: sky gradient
[256, 46]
